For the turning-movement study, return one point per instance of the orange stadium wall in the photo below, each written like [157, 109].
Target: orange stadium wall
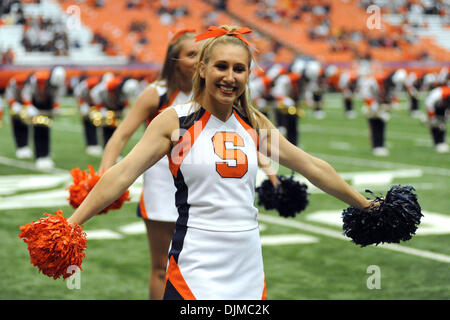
[140, 71]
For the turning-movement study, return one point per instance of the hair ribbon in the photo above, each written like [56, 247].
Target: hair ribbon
[179, 33]
[214, 32]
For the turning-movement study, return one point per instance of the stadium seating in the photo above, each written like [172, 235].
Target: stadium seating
[112, 22]
[86, 52]
[346, 15]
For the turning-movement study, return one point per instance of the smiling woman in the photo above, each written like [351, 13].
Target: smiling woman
[223, 72]
[227, 76]
[213, 157]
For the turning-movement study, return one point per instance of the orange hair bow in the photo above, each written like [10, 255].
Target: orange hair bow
[214, 32]
[179, 33]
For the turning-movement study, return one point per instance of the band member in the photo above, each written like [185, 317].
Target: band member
[19, 117]
[82, 92]
[41, 95]
[437, 104]
[379, 93]
[348, 84]
[111, 97]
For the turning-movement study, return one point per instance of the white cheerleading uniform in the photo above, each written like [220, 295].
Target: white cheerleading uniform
[158, 196]
[216, 250]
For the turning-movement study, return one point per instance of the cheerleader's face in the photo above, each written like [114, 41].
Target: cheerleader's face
[188, 57]
[226, 73]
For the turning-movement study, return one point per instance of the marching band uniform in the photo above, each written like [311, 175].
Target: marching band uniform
[379, 93]
[41, 96]
[111, 97]
[437, 104]
[347, 84]
[13, 95]
[87, 111]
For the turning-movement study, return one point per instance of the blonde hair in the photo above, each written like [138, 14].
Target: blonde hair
[169, 73]
[198, 83]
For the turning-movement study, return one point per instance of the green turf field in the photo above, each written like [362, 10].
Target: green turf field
[305, 258]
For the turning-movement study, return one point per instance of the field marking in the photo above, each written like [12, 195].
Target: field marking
[101, 234]
[340, 131]
[432, 223]
[283, 239]
[337, 235]
[341, 145]
[363, 180]
[137, 228]
[381, 164]
[9, 185]
[28, 165]
[47, 198]
[133, 228]
[12, 184]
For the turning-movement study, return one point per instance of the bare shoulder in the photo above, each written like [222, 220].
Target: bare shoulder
[148, 98]
[166, 123]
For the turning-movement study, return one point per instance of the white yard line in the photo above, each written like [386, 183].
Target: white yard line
[381, 164]
[345, 131]
[337, 235]
[28, 165]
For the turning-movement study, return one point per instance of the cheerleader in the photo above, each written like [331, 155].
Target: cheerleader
[157, 204]
[212, 144]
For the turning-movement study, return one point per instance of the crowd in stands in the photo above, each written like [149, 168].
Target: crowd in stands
[413, 12]
[437, 7]
[7, 57]
[39, 34]
[51, 36]
[11, 12]
[45, 35]
[342, 38]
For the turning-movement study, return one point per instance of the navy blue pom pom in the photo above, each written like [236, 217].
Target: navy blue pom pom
[289, 198]
[267, 196]
[394, 219]
[292, 197]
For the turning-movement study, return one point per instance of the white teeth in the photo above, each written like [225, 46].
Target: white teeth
[228, 89]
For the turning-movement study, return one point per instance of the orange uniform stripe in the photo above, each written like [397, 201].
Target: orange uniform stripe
[249, 129]
[142, 206]
[184, 145]
[176, 279]
[445, 92]
[264, 295]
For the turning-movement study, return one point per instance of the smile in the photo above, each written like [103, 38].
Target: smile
[226, 89]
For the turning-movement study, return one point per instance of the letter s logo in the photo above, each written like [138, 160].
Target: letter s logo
[224, 168]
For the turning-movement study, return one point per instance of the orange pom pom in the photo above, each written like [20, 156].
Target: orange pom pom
[54, 245]
[83, 182]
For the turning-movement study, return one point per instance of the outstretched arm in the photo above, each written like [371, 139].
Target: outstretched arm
[155, 143]
[145, 106]
[317, 171]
